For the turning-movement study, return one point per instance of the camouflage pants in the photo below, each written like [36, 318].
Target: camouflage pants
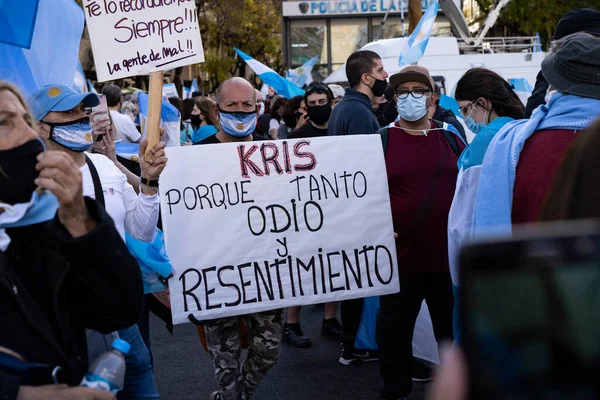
[238, 382]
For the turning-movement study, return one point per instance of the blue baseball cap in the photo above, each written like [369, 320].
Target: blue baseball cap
[59, 98]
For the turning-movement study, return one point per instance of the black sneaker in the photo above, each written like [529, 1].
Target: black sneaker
[331, 328]
[421, 372]
[351, 355]
[293, 335]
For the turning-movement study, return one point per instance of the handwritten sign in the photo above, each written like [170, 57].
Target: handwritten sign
[256, 226]
[133, 37]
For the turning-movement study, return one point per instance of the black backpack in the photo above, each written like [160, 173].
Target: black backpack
[450, 137]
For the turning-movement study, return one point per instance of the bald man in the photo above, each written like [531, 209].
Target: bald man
[238, 111]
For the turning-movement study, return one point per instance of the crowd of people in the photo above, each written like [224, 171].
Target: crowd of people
[68, 283]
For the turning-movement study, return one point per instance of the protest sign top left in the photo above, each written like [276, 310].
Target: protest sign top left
[133, 37]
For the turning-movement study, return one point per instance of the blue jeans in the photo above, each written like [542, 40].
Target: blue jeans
[139, 379]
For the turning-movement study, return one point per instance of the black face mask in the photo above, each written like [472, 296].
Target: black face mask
[379, 86]
[17, 172]
[319, 114]
[195, 120]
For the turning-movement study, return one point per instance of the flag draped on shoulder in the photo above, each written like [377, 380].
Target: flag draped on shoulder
[415, 47]
[302, 75]
[281, 85]
[39, 42]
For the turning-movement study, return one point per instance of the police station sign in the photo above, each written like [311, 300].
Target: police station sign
[345, 7]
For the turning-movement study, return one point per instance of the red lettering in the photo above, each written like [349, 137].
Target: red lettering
[313, 161]
[272, 158]
[246, 163]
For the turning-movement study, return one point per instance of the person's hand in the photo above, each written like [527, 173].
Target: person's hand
[450, 380]
[60, 175]
[108, 144]
[302, 120]
[62, 392]
[100, 122]
[152, 168]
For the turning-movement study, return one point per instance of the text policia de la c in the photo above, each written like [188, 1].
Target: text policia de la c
[284, 275]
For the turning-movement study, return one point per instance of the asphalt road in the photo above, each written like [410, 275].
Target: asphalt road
[184, 371]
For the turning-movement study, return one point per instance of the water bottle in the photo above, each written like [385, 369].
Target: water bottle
[108, 371]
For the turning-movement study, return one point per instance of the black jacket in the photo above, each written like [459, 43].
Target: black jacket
[538, 96]
[53, 287]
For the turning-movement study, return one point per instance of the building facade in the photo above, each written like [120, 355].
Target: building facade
[334, 29]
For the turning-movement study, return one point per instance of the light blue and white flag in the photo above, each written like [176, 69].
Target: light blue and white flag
[282, 86]
[522, 88]
[91, 87]
[79, 81]
[302, 75]
[187, 92]
[194, 87]
[170, 120]
[53, 53]
[129, 151]
[415, 47]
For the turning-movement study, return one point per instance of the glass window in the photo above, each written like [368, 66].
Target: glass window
[308, 39]
[347, 36]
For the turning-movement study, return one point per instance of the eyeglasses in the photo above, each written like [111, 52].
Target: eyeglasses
[464, 111]
[417, 93]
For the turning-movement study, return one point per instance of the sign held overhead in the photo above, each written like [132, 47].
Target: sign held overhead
[134, 37]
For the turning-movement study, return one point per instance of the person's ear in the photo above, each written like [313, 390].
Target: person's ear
[43, 130]
[365, 79]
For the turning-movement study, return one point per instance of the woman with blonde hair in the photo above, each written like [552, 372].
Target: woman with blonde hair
[204, 117]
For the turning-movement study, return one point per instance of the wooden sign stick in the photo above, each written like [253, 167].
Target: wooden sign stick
[154, 111]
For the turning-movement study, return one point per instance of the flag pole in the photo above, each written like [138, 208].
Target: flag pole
[154, 109]
[382, 23]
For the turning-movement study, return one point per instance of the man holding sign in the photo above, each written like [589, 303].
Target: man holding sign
[238, 113]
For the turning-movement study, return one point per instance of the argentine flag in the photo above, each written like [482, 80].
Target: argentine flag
[522, 88]
[170, 120]
[282, 86]
[415, 47]
[187, 92]
[39, 42]
[302, 75]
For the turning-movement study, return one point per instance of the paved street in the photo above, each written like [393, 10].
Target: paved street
[184, 372]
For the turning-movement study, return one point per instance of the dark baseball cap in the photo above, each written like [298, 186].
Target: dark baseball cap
[580, 20]
[412, 73]
[574, 67]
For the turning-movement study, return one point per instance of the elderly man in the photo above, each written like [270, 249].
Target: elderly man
[238, 111]
[62, 121]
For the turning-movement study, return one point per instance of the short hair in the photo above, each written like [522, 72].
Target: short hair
[197, 94]
[318, 87]
[113, 95]
[359, 63]
[234, 79]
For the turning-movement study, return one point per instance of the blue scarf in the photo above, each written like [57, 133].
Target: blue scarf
[39, 209]
[493, 202]
[152, 259]
[475, 151]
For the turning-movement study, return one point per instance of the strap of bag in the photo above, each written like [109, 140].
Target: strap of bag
[450, 137]
[98, 192]
[384, 133]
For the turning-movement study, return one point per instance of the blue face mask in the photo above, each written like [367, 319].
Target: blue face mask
[411, 109]
[238, 124]
[473, 126]
[74, 135]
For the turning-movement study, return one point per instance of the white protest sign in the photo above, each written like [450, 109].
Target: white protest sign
[256, 226]
[134, 37]
[169, 90]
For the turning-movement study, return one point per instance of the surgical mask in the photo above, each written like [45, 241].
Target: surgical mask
[262, 109]
[549, 93]
[73, 135]
[379, 87]
[319, 114]
[238, 124]
[17, 172]
[411, 109]
[473, 126]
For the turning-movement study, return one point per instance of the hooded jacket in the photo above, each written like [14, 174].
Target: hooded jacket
[353, 115]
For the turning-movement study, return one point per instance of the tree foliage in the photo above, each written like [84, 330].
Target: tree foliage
[253, 26]
[528, 17]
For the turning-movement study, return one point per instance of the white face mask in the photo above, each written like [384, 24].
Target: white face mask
[549, 93]
[262, 108]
